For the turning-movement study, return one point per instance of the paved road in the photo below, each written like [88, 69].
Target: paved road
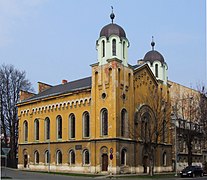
[17, 175]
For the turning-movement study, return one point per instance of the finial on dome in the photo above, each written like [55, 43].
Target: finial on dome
[153, 43]
[112, 16]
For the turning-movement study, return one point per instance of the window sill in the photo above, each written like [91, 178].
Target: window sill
[86, 137]
[86, 165]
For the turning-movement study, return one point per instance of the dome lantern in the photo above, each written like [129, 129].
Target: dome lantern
[112, 43]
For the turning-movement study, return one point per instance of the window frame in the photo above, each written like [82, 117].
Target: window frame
[59, 127]
[103, 48]
[86, 125]
[36, 129]
[47, 157]
[72, 120]
[124, 122]
[59, 156]
[156, 71]
[104, 122]
[164, 159]
[25, 127]
[71, 159]
[113, 47]
[36, 157]
[86, 161]
[47, 128]
[123, 157]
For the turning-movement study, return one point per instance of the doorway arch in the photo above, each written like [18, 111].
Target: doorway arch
[104, 159]
[104, 162]
[25, 158]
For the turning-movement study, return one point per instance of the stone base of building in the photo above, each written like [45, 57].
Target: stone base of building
[91, 169]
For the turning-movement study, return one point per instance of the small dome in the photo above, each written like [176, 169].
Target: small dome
[112, 29]
[153, 55]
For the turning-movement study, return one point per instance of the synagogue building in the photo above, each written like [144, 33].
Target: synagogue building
[115, 121]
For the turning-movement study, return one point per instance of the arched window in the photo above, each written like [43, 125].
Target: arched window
[36, 122]
[104, 122]
[25, 125]
[164, 130]
[47, 129]
[124, 49]
[36, 157]
[156, 70]
[123, 156]
[145, 127]
[71, 157]
[59, 127]
[72, 126]
[164, 159]
[114, 47]
[124, 123]
[86, 158]
[86, 124]
[47, 157]
[59, 157]
[103, 48]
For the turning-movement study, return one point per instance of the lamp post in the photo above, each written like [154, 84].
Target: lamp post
[175, 131]
[49, 155]
[175, 149]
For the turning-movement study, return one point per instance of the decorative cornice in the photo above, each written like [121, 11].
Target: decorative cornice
[56, 106]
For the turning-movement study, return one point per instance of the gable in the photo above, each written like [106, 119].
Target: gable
[144, 75]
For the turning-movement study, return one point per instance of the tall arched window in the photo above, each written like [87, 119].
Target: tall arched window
[104, 122]
[36, 123]
[47, 128]
[36, 157]
[164, 130]
[145, 127]
[123, 156]
[59, 157]
[124, 123]
[71, 157]
[156, 70]
[25, 125]
[124, 49]
[86, 158]
[72, 126]
[59, 127]
[47, 157]
[86, 124]
[103, 48]
[114, 47]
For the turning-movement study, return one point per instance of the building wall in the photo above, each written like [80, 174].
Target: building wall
[114, 87]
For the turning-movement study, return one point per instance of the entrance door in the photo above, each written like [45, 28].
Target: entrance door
[104, 162]
[25, 160]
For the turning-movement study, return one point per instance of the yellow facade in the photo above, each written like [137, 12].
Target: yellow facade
[117, 98]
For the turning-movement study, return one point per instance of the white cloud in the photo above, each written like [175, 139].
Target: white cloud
[13, 12]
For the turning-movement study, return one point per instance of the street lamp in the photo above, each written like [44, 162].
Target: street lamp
[175, 119]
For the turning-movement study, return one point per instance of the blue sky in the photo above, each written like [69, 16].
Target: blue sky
[53, 40]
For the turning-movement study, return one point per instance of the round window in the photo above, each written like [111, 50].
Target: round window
[103, 95]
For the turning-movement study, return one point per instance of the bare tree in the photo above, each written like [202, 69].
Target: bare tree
[203, 114]
[11, 82]
[152, 120]
[187, 112]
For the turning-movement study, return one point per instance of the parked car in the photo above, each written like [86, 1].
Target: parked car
[192, 171]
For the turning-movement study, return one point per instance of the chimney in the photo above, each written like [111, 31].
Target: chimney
[64, 81]
[25, 95]
[140, 61]
[43, 87]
